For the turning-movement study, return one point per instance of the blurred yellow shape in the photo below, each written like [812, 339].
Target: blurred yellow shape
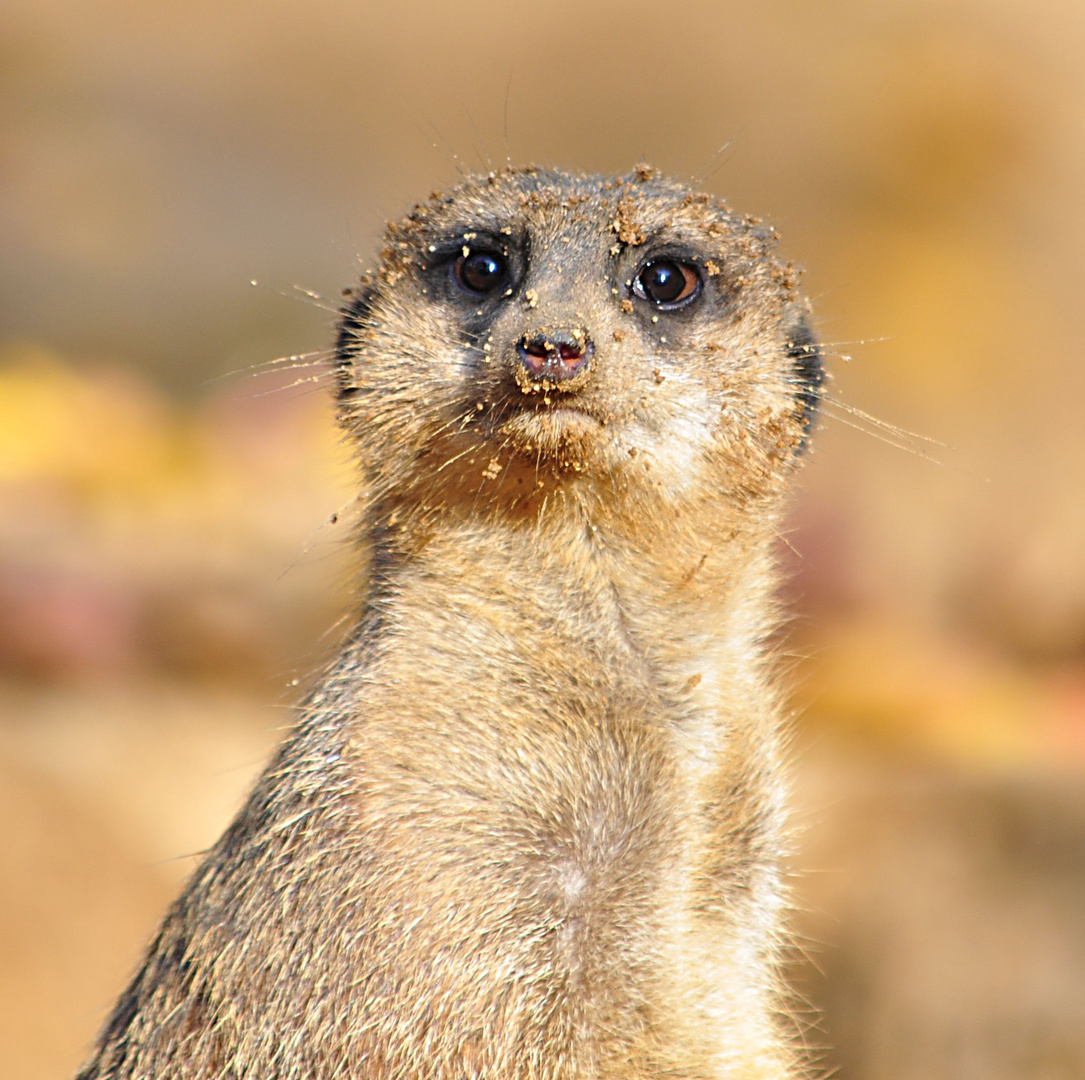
[86, 430]
[920, 692]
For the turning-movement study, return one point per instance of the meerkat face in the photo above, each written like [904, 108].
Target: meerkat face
[532, 328]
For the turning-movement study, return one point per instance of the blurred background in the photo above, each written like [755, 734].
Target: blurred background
[171, 572]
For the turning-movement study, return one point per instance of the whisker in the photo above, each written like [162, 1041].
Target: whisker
[480, 149]
[896, 443]
[883, 425]
[538, 465]
[280, 363]
[457, 163]
[311, 293]
[335, 626]
[856, 341]
[307, 296]
[310, 541]
[456, 457]
[711, 166]
[462, 420]
[501, 479]
[781, 536]
[508, 153]
[310, 379]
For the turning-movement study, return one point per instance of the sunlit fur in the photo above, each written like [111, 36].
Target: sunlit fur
[529, 825]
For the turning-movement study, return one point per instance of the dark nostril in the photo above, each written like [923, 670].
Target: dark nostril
[564, 345]
[554, 356]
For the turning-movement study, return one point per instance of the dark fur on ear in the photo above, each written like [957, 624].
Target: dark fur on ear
[809, 375]
[354, 316]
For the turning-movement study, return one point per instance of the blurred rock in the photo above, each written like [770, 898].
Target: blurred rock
[107, 796]
[942, 912]
[139, 536]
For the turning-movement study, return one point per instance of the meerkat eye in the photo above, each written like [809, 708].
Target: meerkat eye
[667, 283]
[480, 272]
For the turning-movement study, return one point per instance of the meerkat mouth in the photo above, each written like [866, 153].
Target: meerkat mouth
[564, 417]
[553, 429]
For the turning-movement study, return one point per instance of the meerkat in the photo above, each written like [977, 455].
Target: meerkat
[530, 823]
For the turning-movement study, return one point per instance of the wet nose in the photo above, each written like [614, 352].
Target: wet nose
[554, 356]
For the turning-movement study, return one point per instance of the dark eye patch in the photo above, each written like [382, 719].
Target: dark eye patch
[480, 272]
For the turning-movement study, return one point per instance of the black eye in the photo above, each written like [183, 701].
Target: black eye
[667, 283]
[480, 272]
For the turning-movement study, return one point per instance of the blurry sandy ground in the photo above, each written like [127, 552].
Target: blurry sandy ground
[169, 565]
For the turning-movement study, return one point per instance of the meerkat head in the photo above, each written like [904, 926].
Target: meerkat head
[533, 328]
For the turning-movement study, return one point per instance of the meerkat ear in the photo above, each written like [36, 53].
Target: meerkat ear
[354, 316]
[807, 373]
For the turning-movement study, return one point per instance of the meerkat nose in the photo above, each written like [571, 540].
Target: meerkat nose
[554, 356]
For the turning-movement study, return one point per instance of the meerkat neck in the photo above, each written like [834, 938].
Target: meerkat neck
[679, 598]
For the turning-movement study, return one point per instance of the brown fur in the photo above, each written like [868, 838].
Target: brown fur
[529, 826]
